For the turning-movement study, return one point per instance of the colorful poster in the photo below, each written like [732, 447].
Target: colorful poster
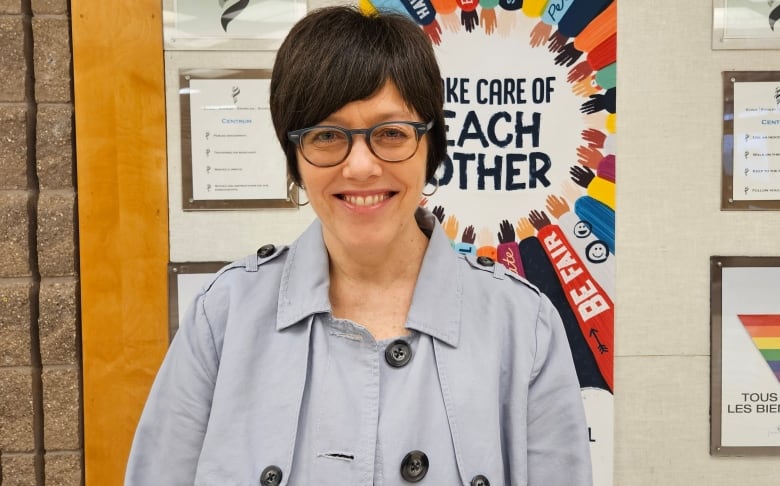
[530, 176]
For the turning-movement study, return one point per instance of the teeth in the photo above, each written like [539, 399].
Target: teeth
[367, 200]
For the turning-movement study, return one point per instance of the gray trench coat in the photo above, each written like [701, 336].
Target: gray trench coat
[232, 403]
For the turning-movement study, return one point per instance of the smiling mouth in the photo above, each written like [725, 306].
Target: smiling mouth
[366, 201]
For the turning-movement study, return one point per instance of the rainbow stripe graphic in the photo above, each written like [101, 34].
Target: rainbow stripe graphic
[764, 329]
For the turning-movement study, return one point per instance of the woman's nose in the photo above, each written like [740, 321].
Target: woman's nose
[361, 163]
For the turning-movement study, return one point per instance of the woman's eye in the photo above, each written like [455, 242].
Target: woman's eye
[391, 133]
[326, 136]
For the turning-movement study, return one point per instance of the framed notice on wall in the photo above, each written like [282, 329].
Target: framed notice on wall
[745, 362]
[228, 24]
[231, 158]
[745, 24]
[185, 280]
[751, 140]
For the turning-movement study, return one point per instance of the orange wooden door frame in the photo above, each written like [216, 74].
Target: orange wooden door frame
[119, 102]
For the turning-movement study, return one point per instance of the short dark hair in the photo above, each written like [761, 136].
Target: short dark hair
[337, 55]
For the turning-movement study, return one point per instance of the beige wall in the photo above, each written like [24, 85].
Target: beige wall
[668, 225]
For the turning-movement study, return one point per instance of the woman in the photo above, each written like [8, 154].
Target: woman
[367, 352]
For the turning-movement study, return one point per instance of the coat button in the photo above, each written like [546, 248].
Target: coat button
[271, 476]
[485, 261]
[414, 467]
[266, 250]
[480, 480]
[398, 353]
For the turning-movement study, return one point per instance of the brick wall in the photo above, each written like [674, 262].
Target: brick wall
[40, 373]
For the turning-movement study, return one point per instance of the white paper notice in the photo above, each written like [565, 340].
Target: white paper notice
[235, 153]
[756, 141]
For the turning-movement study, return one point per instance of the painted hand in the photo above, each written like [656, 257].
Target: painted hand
[506, 233]
[451, 21]
[538, 219]
[582, 176]
[438, 211]
[433, 30]
[469, 235]
[540, 33]
[595, 138]
[556, 42]
[524, 229]
[599, 102]
[568, 55]
[469, 20]
[586, 87]
[589, 156]
[579, 72]
[487, 19]
[451, 227]
[485, 237]
[557, 206]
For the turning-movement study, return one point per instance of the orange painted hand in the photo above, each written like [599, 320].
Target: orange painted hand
[524, 229]
[451, 227]
[586, 87]
[487, 19]
[557, 206]
[540, 33]
[589, 156]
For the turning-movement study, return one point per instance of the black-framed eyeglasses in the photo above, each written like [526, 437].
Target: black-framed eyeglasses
[329, 145]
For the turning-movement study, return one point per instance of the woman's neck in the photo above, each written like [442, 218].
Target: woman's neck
[374, 287]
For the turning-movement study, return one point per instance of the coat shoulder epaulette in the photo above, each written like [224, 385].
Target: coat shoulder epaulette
[250, 263]
[498, 270]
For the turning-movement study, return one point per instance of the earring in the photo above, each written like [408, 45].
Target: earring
[290, 193]
[435, 188]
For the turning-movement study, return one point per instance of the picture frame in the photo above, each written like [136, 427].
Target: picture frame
[230, 25]
[230, 157]
[745, 355]
[745, 24]
[750, 168]
[185, 280]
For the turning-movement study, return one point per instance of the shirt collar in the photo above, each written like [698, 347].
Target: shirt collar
[436, 302]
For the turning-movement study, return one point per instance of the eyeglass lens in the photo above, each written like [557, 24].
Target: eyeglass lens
[392, 142]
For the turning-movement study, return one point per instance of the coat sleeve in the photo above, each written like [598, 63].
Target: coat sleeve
[170, 433]
[558, 448]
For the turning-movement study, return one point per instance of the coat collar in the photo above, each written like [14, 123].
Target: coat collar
[436, 303]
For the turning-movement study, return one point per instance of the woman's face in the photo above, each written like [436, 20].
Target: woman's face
[366, 203]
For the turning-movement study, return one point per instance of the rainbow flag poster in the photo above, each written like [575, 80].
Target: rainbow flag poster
[764, 330]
